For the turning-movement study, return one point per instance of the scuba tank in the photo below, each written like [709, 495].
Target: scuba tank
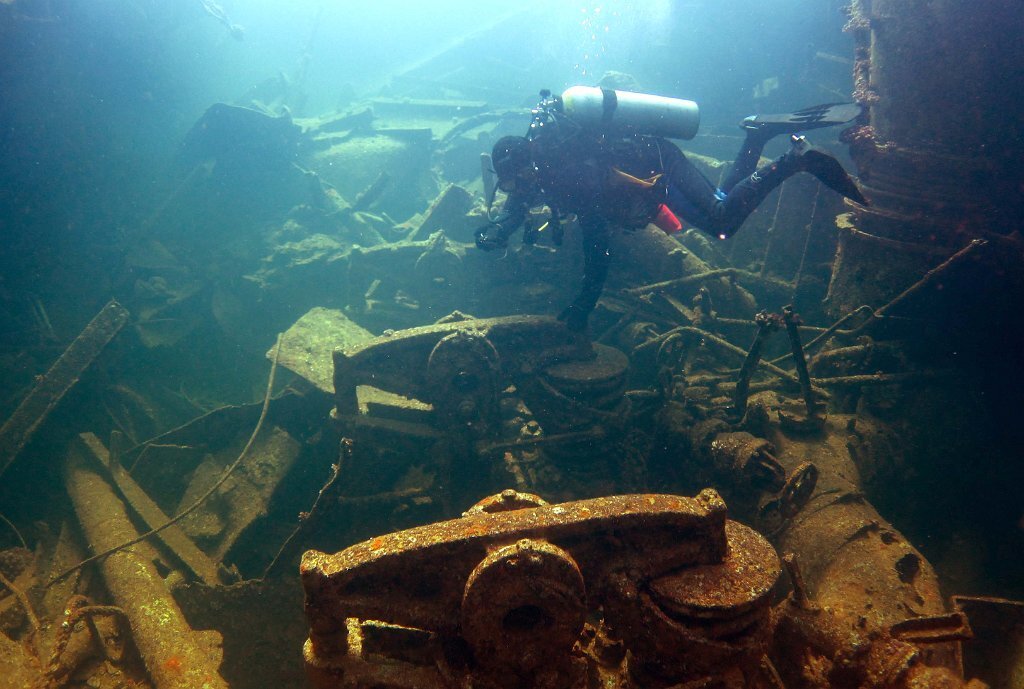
[642, 113]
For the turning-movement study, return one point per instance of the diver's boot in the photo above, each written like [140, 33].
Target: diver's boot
[826, 168]
[764, 127]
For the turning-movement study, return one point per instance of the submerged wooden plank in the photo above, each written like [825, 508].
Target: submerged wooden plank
[194, 559]
[51, 388]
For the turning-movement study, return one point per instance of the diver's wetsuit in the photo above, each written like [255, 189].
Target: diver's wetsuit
[622, 182]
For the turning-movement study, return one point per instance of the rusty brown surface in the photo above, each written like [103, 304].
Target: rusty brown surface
[686, 590]
[524, 605]
[863, 582]
[700, 621]
[349, 583]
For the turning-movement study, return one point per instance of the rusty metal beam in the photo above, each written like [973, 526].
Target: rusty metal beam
[506, 589]
[51, 387]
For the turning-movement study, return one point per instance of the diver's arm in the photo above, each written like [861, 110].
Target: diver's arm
[495, 233]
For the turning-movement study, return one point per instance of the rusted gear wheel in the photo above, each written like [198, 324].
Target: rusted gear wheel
[463, 372]
[523, 606]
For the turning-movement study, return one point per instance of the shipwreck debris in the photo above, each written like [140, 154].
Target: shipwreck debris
[176, 657]
[500, 598]
[194, 559]
[55, 383]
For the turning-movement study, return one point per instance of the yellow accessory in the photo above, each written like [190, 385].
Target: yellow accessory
[645, 183]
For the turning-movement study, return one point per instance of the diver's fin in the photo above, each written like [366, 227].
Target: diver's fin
[827, 169]
[816, 116]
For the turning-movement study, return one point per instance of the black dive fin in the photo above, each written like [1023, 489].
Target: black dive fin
[816, 116]
[827, 169]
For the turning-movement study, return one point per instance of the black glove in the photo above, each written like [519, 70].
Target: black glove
[575, 318]
[490, 237]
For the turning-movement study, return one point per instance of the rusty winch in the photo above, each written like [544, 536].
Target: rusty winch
[637, 590]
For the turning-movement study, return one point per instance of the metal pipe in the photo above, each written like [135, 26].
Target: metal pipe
[169, 647]
[791, 320]
[766, 324]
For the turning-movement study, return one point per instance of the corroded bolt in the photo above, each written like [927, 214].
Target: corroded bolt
[800, 596]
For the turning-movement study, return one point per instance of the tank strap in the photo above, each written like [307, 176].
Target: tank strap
[609, 102]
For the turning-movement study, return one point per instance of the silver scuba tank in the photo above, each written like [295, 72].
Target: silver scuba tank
[673, 118]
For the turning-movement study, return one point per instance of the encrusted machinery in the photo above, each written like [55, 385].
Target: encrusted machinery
[626, 592]
[455, 365]
[623, 591]
[518, 398]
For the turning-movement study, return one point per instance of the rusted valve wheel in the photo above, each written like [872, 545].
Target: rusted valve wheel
[671, 351]
[775, 513]
[523, 606]
[799, 487]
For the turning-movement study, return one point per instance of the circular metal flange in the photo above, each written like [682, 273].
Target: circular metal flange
[523, 606]
[699, 619]
[726, 590]
[593, 379]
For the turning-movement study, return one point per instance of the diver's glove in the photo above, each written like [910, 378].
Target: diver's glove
[490, 237]
[575, 318]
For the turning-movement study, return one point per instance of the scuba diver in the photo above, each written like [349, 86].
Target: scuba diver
[603, 156]
[217, 12]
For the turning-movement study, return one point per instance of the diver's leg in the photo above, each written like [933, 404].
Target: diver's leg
[748, 193]
[723, 214]
[691, 195]
[747, 159]
[801, 157]
[596, 258]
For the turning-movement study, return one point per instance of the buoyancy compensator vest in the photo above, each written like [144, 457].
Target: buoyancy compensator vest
[624, 128]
